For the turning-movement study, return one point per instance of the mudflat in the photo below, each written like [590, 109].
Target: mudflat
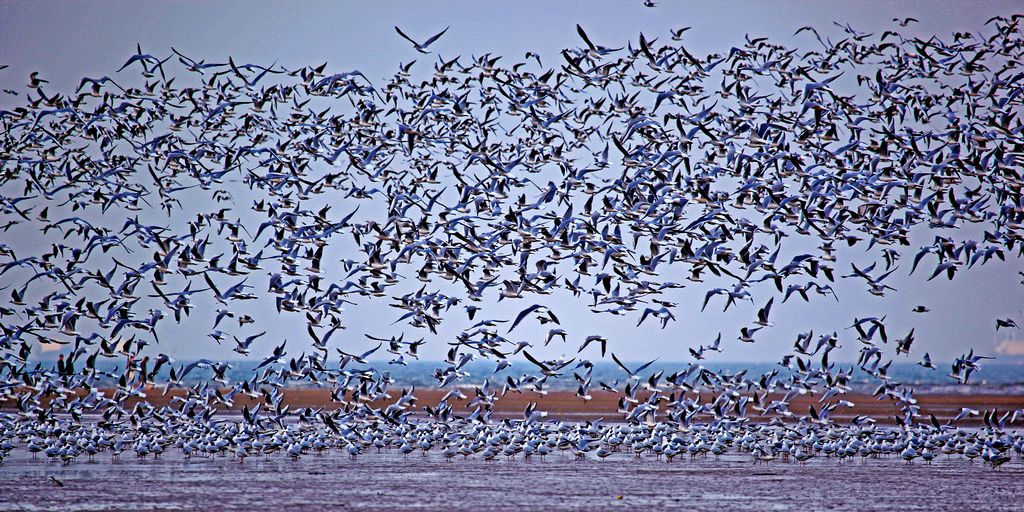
[387, 480]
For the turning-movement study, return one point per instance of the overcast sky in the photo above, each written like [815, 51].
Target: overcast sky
[68, 40]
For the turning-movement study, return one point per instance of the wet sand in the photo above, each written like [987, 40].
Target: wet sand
[387, 481]
[565, 405]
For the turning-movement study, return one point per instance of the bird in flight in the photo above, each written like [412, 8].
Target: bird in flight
[422, 48]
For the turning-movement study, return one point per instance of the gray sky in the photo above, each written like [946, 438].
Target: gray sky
[68, 40]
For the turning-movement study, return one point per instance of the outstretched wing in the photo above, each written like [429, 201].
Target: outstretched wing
[533, 360]
[523, 314]
[371, 351]
[586, 39]
[407, 38]
[432, 39]
[644, 367]
[616, 359]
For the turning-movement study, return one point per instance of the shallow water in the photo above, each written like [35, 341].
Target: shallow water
[389, 481]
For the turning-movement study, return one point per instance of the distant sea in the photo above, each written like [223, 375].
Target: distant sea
[998, 377]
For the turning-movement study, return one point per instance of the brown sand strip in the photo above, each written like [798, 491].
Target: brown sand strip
[565, 405]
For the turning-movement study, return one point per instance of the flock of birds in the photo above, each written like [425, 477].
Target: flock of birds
[67, 442]
[611, 179]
